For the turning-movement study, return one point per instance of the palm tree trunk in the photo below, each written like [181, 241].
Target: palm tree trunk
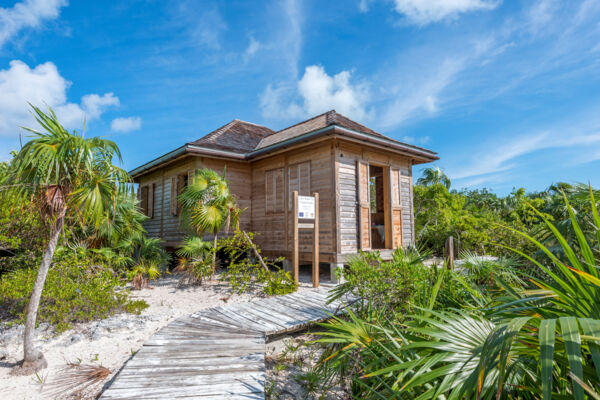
[33, 359]
[214, 260]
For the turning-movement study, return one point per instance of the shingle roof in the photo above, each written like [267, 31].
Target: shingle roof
[320, 121]
[236, 136]
[245, 140]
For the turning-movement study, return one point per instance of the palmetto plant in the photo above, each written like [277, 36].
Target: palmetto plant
[196, 261]
[68, 176]
[150, 256]
[209, 206]
[538, 342]
[143, 272]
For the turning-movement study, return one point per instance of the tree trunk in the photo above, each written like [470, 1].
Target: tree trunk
[256, 253]
[33, 359]
[214, 260]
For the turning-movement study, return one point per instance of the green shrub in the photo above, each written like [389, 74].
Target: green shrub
[245, 273]
[397, 285]
[74, 292]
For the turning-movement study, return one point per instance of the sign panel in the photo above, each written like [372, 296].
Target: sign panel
[306, 207]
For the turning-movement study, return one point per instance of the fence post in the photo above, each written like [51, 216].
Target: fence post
[449, 251]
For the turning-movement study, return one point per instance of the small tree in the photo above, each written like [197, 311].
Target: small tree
[68, 176]
[209, 206]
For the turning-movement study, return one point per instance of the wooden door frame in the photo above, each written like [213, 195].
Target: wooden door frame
[361, 205]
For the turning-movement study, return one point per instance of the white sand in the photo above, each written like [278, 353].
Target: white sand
[109, 342]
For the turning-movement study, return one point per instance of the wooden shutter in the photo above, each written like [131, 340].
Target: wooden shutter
[270, 191]
[173, 198]
[396, 208]
[299, 179]
[144, 198]
[190, 176]
[274, 193]
[151, 200]
[181, 184]
[364, 206]
[279, 190]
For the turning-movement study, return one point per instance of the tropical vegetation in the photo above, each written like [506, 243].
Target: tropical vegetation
[70, 210]
[210, 207]
[524, 327]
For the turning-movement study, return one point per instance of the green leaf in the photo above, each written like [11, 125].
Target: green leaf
[591, 327]
[570, 334]
[547, 335]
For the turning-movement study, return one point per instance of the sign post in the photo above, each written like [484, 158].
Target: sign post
[305, 208]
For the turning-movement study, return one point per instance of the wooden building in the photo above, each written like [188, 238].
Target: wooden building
[364, 181]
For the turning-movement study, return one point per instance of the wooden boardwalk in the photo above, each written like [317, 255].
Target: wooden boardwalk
[217, 353]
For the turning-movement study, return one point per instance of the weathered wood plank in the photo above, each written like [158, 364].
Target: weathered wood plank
[217, 353]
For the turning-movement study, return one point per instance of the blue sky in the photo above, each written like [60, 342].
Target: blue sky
[507, 92]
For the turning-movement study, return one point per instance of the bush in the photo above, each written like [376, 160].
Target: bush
[397, 285]
[245, 273]
[72, 293]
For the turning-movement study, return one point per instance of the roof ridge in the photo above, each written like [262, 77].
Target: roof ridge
[306, 120]
[251, 123]
[219, 131]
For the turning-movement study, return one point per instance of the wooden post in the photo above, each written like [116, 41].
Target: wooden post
[450, 252]
[315, 268]
[295, 238]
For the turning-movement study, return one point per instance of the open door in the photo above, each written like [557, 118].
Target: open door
[364, 206]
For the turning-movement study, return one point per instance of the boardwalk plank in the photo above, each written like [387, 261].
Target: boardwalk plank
[216, 353]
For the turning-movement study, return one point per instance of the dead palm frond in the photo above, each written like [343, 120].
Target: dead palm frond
[73, 379]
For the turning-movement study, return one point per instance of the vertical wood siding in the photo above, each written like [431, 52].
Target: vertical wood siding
[348, 200]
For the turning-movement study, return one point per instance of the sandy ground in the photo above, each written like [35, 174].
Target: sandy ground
[110, 342]
[290, 365]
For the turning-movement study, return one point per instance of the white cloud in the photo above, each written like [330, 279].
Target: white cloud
[315, 93]
[504, 155]
[124, 125]
[291, 41]
[364, 5]
[275, 104]
[322, 92]
[252, 48]
[423, 12]
[43, 84]
[27, 14]
[94, 105]
[414, 92]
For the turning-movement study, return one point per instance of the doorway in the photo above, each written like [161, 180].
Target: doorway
[377, 199]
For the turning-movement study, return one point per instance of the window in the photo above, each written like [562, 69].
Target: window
[299, 179]
[274, 191]
[147, 199]
[178, 184]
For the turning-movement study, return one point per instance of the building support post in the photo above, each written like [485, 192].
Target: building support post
[295, 238]
[332, 268]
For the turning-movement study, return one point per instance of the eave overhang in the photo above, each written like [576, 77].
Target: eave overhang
[419, 154]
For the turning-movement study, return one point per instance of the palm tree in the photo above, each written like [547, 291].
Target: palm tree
[433, 176]
[209, 206]
[68, 176]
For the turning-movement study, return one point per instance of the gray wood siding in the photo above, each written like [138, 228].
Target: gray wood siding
[406, 200]
[347, 205]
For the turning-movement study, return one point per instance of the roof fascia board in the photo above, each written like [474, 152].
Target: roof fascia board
[165, 157]
[413, 151]
[404, 148]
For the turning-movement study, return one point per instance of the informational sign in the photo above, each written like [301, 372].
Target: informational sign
[306, 207]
